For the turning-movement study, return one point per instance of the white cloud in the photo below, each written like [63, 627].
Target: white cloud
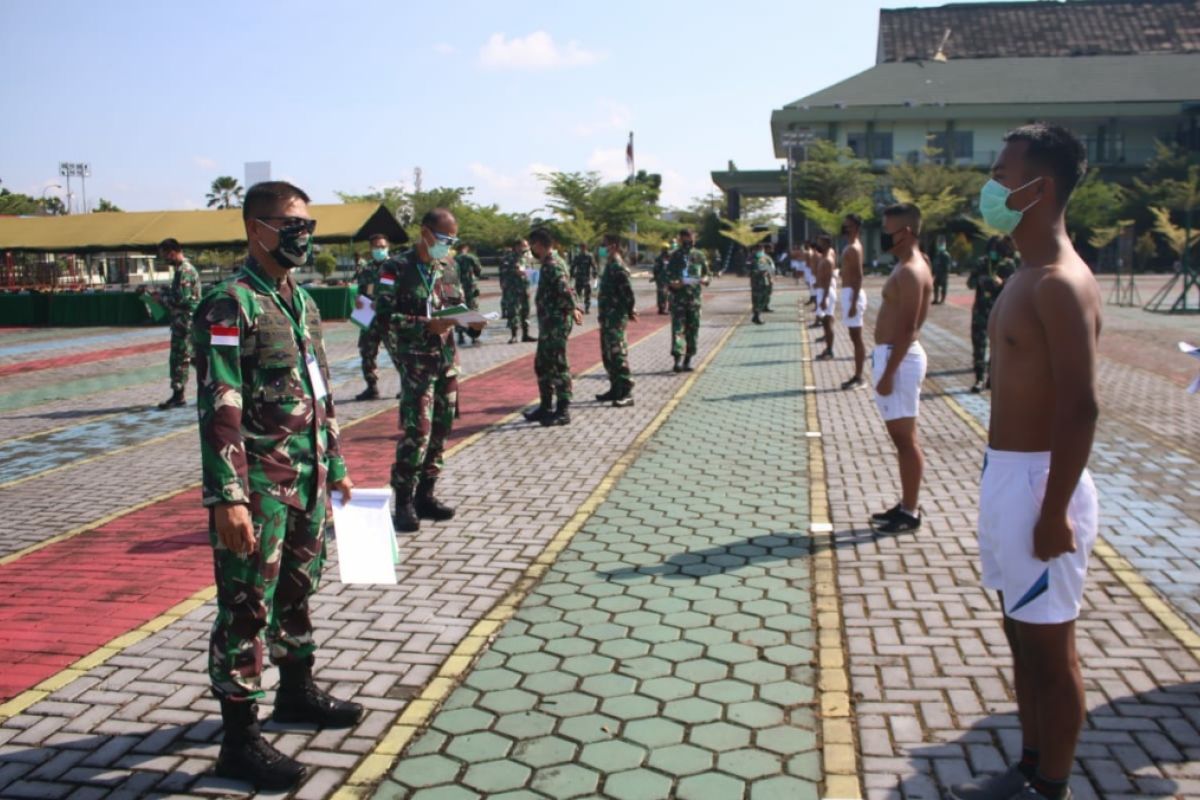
[444, 49]
[536, 51]
[204, 163]
[608, 115]
[521, 191]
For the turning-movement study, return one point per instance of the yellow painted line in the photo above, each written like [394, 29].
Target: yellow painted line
[57, 428]
[839, 740]
[97, 657]
[1158, 607]
[420, 710]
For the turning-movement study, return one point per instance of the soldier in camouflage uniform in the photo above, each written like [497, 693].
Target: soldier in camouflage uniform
[270, 452]
[940, 262]
[760, 282]
[987, 279]
[687, 275]
[557, 313]
[659, 276]
[470, 272]
[583, 272]
[616, 307]
[180, 299]
[428, 362]
[515, 267]
[370, 337]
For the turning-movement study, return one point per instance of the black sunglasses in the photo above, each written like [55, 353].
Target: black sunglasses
[294, 224]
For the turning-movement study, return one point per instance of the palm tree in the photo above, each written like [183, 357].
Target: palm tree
[225, 193]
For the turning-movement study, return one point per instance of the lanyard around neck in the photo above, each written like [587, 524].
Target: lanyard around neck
[298, 323]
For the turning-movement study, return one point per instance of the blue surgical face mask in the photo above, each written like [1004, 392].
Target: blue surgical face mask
[379, 253]
[993, 205]
[602, 252]
[439, 250]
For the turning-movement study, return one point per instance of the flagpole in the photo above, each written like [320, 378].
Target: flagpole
[632, 172]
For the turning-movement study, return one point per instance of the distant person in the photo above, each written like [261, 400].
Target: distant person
[687, 275]
[659, 276]
[470, 272]
[1038, 511]
[826, 290]
[583, 272]
[370, 337]
[987, 279]
[180, 299]
[616, 307]
[854, 296]
[941, 271]
[760, 282]
[514, 271]
[899, 361]
[558, 312]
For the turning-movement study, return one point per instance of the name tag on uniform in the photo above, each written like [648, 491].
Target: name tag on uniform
[315, 377]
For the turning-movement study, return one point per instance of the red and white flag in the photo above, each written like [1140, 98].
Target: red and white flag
[629, 154]
[223, 335]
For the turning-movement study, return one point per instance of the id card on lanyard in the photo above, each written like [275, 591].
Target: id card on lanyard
[428, 283]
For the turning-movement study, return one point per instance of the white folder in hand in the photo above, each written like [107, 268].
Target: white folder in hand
[366, 541]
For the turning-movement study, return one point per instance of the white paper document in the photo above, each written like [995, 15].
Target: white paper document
[366, 541]
[362, 317]
[464, 316]
[691, 281]
[1194, 352]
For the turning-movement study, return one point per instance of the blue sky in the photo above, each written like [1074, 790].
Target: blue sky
[162, 97]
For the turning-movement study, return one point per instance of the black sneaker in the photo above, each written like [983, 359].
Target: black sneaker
[854, 383]
[623, 402]
[538, 414]
[611, 394]
[977, 388]
[687, 364]
[901, 522]
[885, 516]
[827, 355]
[369, 393]
[176, 400]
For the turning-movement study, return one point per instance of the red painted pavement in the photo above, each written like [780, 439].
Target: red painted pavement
[81, 358]
[62, 602]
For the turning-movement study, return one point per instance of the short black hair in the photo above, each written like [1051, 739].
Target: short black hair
[169, 245]
[855, 218]
[264, 198]
[540, 235]
[375, 236]
[685, 231]
[434, 216]
[1055, 148]
[463, 247]
[825, 239]
[909, 212]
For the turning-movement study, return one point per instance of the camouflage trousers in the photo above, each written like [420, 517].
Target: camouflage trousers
[760, 294]
[518, 308]
[614, 351]
[181, 351]
[979, 341]
[583, 293]
[428, 399]
[685, 327]
[550, 362]
[267, 589]
[941, 282]
[660, 291]
[369, 339]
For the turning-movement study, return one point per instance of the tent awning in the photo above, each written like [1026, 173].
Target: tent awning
[143, 230]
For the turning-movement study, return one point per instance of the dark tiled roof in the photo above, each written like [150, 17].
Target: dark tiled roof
[1024, 29]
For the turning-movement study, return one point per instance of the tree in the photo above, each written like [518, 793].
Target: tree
[613, 208]
[743, 233]
[225, 192]
[1177, 239]
[833, 183]
[17, 204]
[942, 191]
[1095, 208]
[961, 250]
[325, 264]
[106, 206]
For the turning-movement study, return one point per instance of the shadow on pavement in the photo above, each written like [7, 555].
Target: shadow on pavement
[731, 557]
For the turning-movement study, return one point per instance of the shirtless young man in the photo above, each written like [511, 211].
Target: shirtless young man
[826, 290]
[1037, 504]
[854, 297]
[811, 256]
[898, 362]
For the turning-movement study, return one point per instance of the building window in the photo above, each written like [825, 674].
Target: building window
[1105, 147]
[952, 145]
[857, 142]
[874, 147]
[881, 147]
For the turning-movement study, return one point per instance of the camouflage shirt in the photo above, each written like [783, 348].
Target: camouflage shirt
[583, 268]
[420, 290]
[264, 427]
[469, 272]
[555, 297]
[615, 300]
[660, 268]
[987, 279]
[368, 279]
[687, 264]
[183, 295]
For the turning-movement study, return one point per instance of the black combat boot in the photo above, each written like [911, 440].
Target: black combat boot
[543, 410]
[369, 393]
[561, 416]
[300, 700]
[611, 394]
[461, 338]
[687, 364]
[429, 507]
[525, 337]
[678, 364]
[513, 338]
[247, 756]
[404, 518]
[624, 398]
[176, 400]
[754, 318]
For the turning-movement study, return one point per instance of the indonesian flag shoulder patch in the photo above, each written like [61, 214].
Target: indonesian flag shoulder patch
[222, 335]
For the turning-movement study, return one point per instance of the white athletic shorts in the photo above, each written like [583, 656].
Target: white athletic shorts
[856, 320]
[905, 400]
[1011, 492]
[809, 278]
[823, 310]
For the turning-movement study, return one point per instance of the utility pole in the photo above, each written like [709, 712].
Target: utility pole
[791, 139]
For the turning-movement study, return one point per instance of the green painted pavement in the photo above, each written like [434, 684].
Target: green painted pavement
[669, 652]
